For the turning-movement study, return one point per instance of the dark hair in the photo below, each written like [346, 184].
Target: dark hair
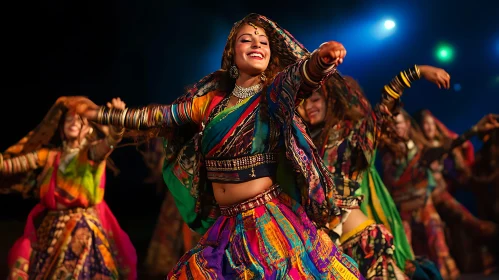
[393, 142]
[420, 116]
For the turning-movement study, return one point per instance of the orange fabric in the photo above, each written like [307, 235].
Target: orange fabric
[200, 104]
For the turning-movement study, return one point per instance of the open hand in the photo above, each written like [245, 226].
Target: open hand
[435, 75]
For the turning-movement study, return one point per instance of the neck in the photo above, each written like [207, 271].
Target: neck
[72, 143]
[245, 80]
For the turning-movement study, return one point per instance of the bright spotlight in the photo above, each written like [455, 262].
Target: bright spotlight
[444, 53]
[389, 24]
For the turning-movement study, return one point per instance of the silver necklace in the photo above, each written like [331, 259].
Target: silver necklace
[243, 93]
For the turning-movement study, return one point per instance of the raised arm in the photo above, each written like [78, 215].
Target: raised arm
[369, 128]
[392, 91]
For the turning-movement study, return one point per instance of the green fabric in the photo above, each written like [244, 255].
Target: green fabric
[379, 206]
[186, 202]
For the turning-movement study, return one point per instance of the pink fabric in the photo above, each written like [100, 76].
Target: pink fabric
[126, 255]
[22, 247]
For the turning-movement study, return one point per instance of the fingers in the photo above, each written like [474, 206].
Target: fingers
[493, 119]
[332, 52]
[339, 54]
[116, 103]
[444, 79]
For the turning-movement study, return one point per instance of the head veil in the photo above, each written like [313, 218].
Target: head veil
[46, 135]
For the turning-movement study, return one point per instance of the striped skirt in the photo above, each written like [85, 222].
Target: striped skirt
[266, 237]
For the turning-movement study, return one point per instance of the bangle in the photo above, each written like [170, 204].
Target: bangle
[122, 119]
[391, 92]
[305, 74]
[1, 162]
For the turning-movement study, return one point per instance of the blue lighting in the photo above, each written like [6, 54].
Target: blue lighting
[457, 87]
[389, 24]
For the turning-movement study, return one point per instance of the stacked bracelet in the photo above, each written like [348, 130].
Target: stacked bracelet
[401, 81]
[130, 118]
[314, 70]
[18, 164]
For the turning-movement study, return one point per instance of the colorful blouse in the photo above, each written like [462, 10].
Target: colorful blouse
[242, 133]
[351, 144]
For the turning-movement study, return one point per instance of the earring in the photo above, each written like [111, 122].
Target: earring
[233, 72]
[263, 77]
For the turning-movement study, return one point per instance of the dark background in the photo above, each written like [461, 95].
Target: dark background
[148, 51]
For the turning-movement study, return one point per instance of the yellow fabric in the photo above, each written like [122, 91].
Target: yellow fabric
[377, 205]
[359, 228]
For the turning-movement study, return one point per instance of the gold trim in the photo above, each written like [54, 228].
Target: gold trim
[241, 163]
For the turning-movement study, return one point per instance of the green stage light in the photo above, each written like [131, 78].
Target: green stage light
[444, 53]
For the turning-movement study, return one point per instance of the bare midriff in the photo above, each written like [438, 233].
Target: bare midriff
[354, 219]
[232, 193]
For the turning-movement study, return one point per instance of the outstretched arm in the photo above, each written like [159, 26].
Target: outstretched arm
[23, 163]
[144, 117]
[375, 120]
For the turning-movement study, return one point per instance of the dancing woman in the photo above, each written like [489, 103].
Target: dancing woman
[346, 130]
[63, 162]
[226, 177]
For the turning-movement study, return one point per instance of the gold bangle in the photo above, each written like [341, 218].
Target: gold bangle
[417, 71]
[1, 162]
[122, 120]
[391, 92]
[405, 79]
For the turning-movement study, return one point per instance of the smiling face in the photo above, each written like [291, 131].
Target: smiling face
[314, 108]
[252, 50]
[74, 127]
